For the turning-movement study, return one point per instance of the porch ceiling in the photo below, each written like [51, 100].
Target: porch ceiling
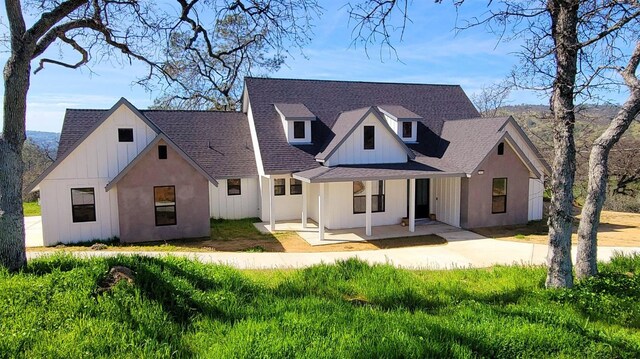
[373, 172]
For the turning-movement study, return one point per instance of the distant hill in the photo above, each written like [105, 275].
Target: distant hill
[46, 140]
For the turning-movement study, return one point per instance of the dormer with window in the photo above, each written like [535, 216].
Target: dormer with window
[402, 121]
[296, 121]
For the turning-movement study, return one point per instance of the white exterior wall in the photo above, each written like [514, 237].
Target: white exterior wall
[536, 187]
[254, 137]
[339, 205]
[445, 200]
[98, 159]
[244, 205]
[351, 151]
[287, 207]
[536, 194]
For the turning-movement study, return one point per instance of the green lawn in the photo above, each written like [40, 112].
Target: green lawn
[179, 308]
[31, 209]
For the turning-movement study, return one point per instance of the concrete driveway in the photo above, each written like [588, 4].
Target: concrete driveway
[464, 250]
[33, 231]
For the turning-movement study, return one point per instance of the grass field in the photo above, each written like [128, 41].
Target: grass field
[179, 308]
[31, 209]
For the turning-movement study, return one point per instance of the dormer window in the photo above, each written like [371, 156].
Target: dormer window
[402, 121]
[407, 129]
[296, 122]
[299, 129]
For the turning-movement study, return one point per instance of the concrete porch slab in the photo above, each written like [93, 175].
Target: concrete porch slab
[335, 236]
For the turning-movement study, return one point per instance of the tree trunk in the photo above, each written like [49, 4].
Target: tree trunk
[587, 258]
[564, 17]
[16, 84]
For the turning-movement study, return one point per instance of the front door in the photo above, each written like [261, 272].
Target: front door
[422, 198]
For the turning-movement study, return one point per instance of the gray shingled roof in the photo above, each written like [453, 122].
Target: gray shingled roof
[295, 111]
[399, 112]
[410, 169]
[219, 142]
[326, 99]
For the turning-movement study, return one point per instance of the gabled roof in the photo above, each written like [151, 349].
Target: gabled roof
[149, 147]
[435, 104]
[218, 142]
[348, 122]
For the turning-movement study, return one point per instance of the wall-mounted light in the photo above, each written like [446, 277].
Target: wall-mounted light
[481, 172]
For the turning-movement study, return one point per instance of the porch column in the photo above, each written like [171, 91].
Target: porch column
[272, 216]
[412, 205]
[305, 189]
[368, 207]
[321, 212]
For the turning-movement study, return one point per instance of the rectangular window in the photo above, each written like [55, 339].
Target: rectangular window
[501, 149]
[162, 152]
[369, 137]
[164, 199]
[125, 135]
[279, 187]
[298, 129]
[407, 129]
[360, 198]
[499, 196]
[83, 205]
[295, 187]
[234, 187]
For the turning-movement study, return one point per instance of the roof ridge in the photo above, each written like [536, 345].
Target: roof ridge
[352, 81]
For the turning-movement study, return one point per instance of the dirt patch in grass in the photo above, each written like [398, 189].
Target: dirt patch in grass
[617, 229]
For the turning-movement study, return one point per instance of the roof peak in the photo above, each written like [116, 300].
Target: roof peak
[350, 81]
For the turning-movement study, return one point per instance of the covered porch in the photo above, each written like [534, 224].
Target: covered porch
[310, 232]
[362, 203]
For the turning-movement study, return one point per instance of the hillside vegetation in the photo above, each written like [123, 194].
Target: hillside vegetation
[59, 308]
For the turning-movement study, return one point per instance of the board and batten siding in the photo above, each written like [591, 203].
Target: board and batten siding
[351, 151]
[445, 200]
[286, 207]
[244, 205]
[97, 160]
[536, 186]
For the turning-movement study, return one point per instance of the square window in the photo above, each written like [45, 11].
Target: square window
[295, 186]
[298, 129]
[360, 198]
[234, 187]
[407, 129]
[164, 198]
[499, 196]
[279, 187]
[83, 205]
[369, 137]
[162, 152]
[125, 135]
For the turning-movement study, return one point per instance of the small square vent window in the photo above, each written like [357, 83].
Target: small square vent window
[125, 135]
[162, 152]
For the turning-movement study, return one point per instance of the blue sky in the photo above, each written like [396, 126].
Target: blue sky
[430, 52]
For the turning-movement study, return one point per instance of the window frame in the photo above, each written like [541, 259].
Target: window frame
[74, 206]
[163, 150]
[174, 205]
[404, 129]
[121, 133]
[239, 186]
[297, 186]
[501, 149]
[277, 185]
[380, 198]
[295, 129]
[369, 144]
[494, 196]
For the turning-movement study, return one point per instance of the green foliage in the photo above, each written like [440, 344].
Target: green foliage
[227, 229]
[181, 308]
[31, 209]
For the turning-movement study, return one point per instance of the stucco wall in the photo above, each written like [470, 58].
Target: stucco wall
[477, 190]
[136, 202]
